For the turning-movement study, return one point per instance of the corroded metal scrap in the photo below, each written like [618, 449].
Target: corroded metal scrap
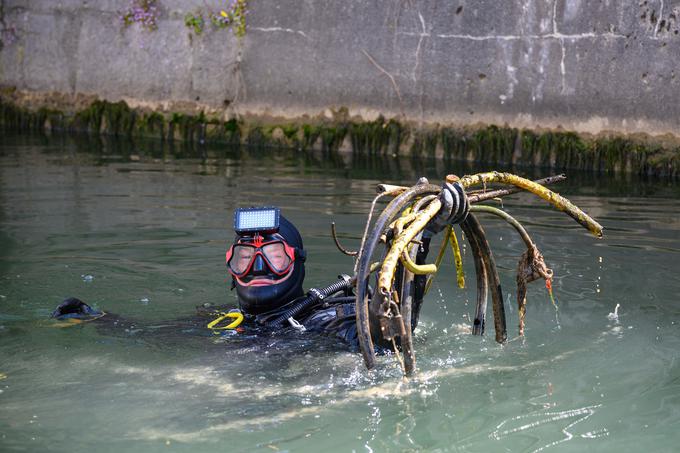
[384, 317]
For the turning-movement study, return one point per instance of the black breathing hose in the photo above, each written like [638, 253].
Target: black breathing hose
[313, 296]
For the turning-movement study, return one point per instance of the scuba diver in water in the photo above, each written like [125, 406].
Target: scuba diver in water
[267, 263]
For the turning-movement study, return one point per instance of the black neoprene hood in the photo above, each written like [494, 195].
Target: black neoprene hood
[254, 300]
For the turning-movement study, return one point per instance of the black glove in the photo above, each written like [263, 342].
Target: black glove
[74, 308]
[454, 210]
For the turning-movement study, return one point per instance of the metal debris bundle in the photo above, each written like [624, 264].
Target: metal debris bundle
[404, 230]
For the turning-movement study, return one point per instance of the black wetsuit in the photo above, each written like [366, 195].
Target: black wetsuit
[332, 316]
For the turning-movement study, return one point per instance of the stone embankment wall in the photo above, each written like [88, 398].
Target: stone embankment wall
[567, 83]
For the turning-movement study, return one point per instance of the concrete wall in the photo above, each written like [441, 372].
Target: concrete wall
[587, 66]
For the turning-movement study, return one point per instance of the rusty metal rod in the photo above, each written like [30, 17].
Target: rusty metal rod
[478, 196]
[337, 243]
[555, 199]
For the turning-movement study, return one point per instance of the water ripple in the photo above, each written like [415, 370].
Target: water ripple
[574, 416]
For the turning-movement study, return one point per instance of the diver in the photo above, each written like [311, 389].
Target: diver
[267, 264]
[266, 261]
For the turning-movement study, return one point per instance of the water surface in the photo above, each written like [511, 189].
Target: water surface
[138, 231]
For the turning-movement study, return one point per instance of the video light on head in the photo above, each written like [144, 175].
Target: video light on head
[257, 220]
[266, 259]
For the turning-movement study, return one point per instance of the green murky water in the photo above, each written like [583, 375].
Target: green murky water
[144, 237]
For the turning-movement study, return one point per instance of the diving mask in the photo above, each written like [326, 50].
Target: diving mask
[258, 255]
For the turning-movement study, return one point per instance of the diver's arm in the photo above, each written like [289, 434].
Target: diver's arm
[73, 311]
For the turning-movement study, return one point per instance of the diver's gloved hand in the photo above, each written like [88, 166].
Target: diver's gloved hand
[454, 210]
[75, 308]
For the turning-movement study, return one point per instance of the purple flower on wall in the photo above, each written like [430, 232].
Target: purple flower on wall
[8, 36]
[142, 12]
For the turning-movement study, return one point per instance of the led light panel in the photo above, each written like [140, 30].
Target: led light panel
[256, 219]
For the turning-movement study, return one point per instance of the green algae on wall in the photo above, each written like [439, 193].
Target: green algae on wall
[377, 137]
[491, 144]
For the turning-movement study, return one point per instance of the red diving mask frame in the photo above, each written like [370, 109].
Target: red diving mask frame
[277, 255]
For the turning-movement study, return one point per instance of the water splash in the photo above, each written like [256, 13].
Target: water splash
[614, 316]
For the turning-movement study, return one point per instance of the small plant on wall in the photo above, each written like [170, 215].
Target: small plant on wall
[195, 22]
[142, 12]
[233, 16]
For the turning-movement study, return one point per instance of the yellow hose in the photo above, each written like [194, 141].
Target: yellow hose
[457, 258]
[386, 276]
[449, 238]
[418, 269]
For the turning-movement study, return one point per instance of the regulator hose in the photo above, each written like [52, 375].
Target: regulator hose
[313, 296]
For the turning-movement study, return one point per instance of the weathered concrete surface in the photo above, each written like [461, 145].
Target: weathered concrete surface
[586, 66]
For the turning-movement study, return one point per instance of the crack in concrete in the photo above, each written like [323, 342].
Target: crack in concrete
[522, 37]
[420, 42]
[658, 20]
[563, 68]
[415, 67]
[238, 80]
[279, 29]
[555, 34]
[572, 37]
[390, 76]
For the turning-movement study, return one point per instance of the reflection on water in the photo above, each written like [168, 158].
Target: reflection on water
[532, 421]
[140, 230]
